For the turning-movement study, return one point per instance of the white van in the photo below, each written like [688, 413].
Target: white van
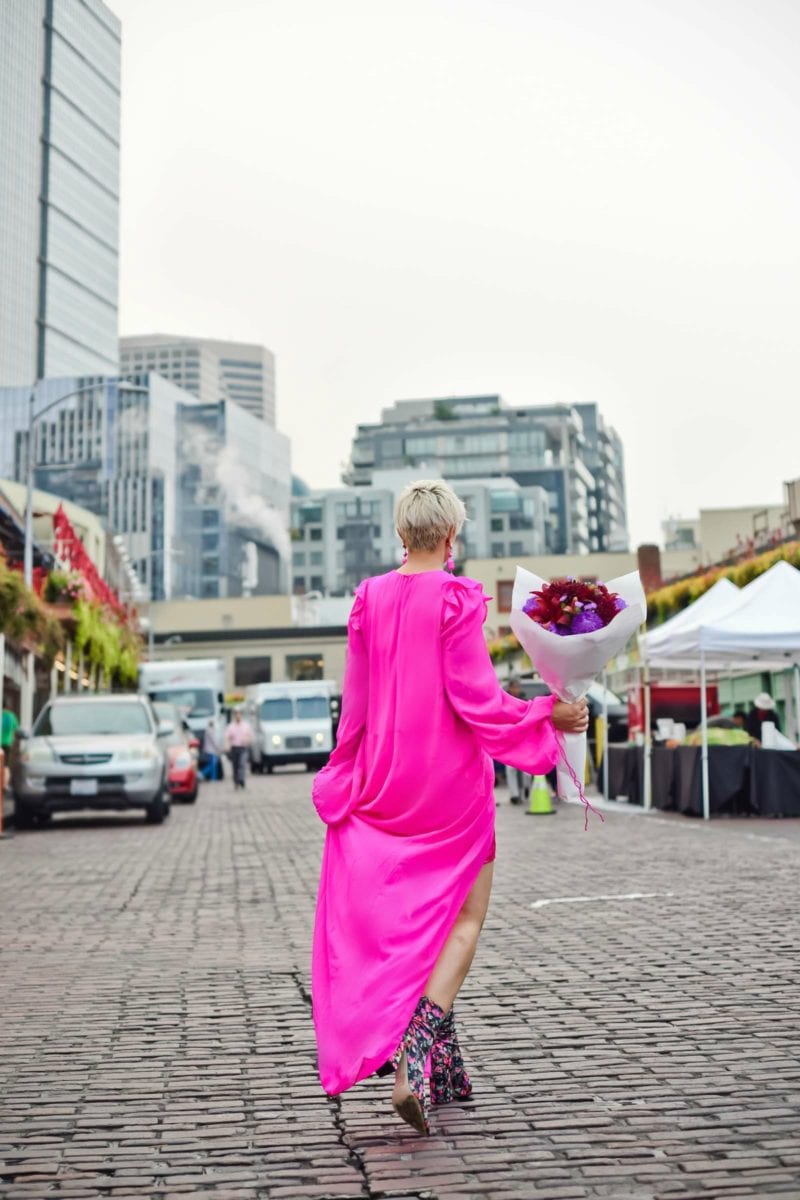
[292, 722]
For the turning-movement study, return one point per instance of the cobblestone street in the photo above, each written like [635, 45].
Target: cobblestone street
[632, 1022]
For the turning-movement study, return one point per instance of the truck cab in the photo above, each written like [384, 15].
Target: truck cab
[196, 687]
[291, 722]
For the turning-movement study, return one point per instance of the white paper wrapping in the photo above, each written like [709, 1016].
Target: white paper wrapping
[569, 665]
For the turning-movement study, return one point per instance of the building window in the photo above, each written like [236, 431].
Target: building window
[305, 666]
[315, 558]
[497, 524]
[299, 585]
[316, 583]
[515, 548]
[315, 535]
[298, 558]
[498, 550]
[505, 590]
[210, 518]
[251, 670]
[505, 501]
[210, 541]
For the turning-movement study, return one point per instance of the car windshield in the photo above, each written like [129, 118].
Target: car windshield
[277, 710]
[77, 719]
[313, 706]
[195, 702]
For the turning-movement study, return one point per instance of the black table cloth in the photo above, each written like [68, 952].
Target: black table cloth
[742, 779]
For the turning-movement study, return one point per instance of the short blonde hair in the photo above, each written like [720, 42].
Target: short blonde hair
[425, 513]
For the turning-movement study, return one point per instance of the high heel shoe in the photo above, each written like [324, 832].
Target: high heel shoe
[410, 1095]
[449, 1079]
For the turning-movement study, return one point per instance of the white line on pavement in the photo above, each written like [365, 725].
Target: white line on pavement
[594, 899]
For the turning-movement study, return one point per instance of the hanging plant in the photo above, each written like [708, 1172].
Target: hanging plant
[62, 588]
[21, 614]
[671, 599]
[52, 640]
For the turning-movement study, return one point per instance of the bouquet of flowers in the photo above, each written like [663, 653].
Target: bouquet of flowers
[570, 629]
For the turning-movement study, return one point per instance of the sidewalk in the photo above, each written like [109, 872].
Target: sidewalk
[632, 1022]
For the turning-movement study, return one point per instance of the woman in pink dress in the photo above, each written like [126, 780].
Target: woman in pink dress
[408, 799]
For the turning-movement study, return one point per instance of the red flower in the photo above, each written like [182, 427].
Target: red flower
[569, 606]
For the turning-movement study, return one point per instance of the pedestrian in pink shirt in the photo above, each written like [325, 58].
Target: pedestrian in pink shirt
[408, 799]
[238, 737]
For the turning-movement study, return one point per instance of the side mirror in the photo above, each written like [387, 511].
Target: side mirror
[165, 728]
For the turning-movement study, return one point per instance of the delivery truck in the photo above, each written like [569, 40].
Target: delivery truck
[196, 686]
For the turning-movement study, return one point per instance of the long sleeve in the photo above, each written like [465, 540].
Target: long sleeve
[335, 788]
[516, 732]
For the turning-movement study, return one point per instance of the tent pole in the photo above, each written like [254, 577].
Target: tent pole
[647, 798]
[704, 737]
[605, 735]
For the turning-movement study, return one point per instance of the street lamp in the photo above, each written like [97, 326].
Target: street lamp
[33, 417]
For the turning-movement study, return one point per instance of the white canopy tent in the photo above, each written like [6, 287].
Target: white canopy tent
[757, 628]
[679, 636]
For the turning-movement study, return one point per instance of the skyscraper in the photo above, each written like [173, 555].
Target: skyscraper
[59, 188]
[210, 369]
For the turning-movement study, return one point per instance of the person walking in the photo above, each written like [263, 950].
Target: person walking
[211, 768]
[407, 796]
[238, 737]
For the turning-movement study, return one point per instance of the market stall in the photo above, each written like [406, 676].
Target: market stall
[727, 631]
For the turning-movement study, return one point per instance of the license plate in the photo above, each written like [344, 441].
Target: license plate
[83, 787]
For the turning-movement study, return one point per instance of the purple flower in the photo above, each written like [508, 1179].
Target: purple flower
[585, 622]
[531, 605]
[619, 603]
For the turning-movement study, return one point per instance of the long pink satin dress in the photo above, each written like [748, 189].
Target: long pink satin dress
[408, 799]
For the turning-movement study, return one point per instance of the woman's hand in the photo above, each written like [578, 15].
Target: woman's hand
[571, 718]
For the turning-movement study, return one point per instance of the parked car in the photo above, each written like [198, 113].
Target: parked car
[617, 709]
[95, 752]
[181, 748]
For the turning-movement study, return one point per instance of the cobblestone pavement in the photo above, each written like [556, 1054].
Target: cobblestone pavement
[158, 1042]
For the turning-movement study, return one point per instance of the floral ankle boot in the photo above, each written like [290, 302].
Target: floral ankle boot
[449, 1079]
[411, 1094]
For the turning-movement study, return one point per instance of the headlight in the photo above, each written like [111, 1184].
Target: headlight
[319, 738]
[139, 754]
[38, 753]
[276, 739]
[182, 761]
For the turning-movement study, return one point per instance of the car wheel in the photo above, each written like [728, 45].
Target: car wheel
[190, 799]
[44, 818]
[269, 768]
[24, 818]
[157, 810]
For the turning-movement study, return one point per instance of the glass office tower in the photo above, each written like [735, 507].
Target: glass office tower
[59, 188]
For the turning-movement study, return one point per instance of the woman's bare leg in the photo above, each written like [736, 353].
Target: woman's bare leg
[456, 957]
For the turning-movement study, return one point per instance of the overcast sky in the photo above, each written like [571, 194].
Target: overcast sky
[594, 200]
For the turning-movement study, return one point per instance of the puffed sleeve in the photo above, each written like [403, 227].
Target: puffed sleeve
[335, 787]
[516, 732]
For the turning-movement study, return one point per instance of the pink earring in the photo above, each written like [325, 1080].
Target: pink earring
[405, 554]
[451, 565]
